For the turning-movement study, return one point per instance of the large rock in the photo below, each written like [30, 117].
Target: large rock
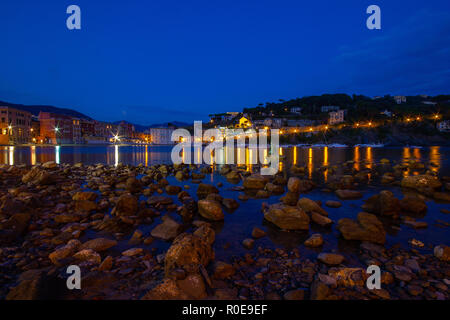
[330, 258]
[210, 209]
[442, 252]
[348, 194]
[384, 204]
[204, 189]
[99, 244]
[65, 251]
[320, 219]
[287, 217]
[348, 277]
[422, 183]
[83, 196]
[413, 204]
[255, 181]
[167, 230]
[366, 228]
[127, 205]
[294, 184]
[310, 206]
[38, 176]
[37, 284]
[188, 252]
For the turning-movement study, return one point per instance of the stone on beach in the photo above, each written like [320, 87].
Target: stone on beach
[348, 194]
[287, 217]
[210, 210]
[366, 228]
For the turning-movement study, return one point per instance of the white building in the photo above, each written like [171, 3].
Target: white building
[399, 99]
[296, 110]
[431, 103]
[336, 117]
[443, 126]
[329, 108]
[161, 135]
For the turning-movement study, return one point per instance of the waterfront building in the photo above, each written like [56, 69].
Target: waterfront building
[15, 126]
[336, 117]
[299, 123]
[244, 123]
[125, 130]
[59, 128]
[162, 135]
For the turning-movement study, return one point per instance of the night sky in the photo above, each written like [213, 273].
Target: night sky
[159, 60]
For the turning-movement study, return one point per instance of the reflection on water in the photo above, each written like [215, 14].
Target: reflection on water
[311, 158]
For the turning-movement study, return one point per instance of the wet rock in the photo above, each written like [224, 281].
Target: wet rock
[262, 194]
[127, 205]
[298, 294]
[173, 189]
[442, 252]
[321, 220]
[188, 252]
[65, 251]
[383, 203]
[14, 227]
[210, 209]
[206, 233]
[274, 188]
[99, 244]
[132, 252]
[442, 196]
[233, 176]
[223, 270]
[136, 238]
[230, 203]
[290, 198]
[348, 194]
[258, 233]
[83, 196]
[167, 230]
[333, 204]
[319, 290]
[330, 258]
[106, 264]
[36, 284]
[248, 243]
[85, 206]
[167, 290]
[293, 185]
[310, 206]
[193, 286]
[255, 181]
[39, 176]
[348, 277]
[413, 204]
[315, 240]
[287, 217]
[159, 200]
[421, 183]
[366, 228]
[88, 255]
[205, 189]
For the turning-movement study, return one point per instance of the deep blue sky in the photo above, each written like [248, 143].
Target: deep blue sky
[161, 60]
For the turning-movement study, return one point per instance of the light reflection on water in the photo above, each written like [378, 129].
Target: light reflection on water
[311, 158]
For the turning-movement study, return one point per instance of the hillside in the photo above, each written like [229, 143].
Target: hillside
[35, 109]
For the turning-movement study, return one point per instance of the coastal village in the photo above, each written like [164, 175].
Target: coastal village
[294, 117]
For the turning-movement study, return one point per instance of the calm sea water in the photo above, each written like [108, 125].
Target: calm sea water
[239, 224]
[311, 157]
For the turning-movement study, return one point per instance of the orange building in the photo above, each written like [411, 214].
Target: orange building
[59, 129]
[15, 126]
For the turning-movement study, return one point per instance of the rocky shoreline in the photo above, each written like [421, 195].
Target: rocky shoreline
[53, 216]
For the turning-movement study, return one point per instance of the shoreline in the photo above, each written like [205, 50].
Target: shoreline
[158, 232]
